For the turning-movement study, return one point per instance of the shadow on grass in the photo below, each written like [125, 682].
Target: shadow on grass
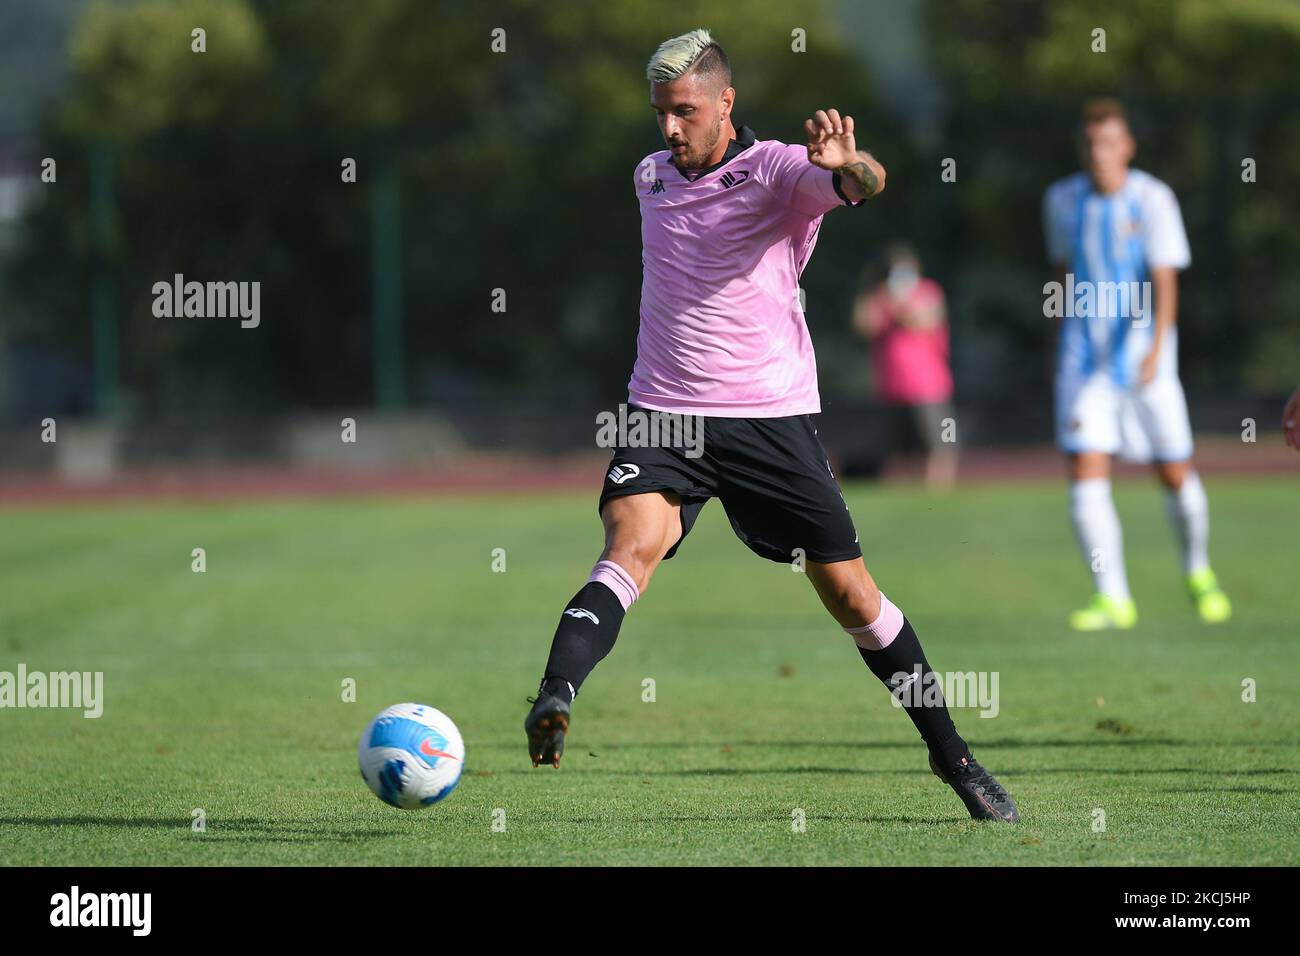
[1108, 741]
[1199, 772]
[1278, 791]
[594, 770]
[761, 818]
[225, 829]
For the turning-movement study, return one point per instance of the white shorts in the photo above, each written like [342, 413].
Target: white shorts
[1139, 424]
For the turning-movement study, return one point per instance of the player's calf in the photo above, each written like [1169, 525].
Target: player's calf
[586, 633]
[889, 647]
[639, 530]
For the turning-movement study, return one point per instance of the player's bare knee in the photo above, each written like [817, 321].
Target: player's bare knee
[638, 556]
[1172, 474]
[852, 601]
[860, 602]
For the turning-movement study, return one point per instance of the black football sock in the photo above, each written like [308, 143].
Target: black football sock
[901, 666]
[587, 631]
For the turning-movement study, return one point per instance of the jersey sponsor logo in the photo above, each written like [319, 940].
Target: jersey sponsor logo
[621, 473]
[730, 179]
[581, 612]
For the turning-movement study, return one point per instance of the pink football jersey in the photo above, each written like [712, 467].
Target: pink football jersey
[722, 328]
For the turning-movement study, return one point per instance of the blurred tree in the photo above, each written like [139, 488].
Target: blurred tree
[515, 173]
[515, 169]
[137, 71]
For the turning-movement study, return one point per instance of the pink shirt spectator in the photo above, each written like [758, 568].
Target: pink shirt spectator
[722, 330]
[911, 365]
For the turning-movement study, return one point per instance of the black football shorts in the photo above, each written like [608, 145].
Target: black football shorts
[771, 475]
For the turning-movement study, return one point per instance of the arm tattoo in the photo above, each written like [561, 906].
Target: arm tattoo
[861, 174]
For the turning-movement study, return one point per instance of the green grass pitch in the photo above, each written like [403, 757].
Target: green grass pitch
[223, 690]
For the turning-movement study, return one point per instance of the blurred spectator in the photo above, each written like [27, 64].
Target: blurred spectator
[1291, 420]
[906, 321]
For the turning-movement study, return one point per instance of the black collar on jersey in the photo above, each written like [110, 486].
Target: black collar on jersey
[744, 139]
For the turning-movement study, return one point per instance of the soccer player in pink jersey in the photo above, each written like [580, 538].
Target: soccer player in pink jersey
[728, 222]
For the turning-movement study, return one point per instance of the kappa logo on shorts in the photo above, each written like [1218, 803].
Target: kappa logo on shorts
[581, 612]
[621, 473]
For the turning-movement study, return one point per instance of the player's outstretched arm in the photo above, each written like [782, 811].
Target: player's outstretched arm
[831, 146]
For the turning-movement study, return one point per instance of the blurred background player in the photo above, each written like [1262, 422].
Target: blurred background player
[905, 319]
[1117, 386]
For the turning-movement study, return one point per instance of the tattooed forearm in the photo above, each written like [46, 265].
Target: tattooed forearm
[864, 177]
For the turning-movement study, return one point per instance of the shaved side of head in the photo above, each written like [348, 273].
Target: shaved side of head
[696, 53]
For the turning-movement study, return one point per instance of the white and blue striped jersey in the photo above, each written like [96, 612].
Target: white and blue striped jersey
[1113, 242]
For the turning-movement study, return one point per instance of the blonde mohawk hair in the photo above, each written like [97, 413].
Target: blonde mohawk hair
[696, 50]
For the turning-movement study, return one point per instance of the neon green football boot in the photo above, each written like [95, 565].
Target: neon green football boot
[1211, 603]
[1104, 613]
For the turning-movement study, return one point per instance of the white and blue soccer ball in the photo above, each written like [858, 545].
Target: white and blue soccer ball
[411, 756]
